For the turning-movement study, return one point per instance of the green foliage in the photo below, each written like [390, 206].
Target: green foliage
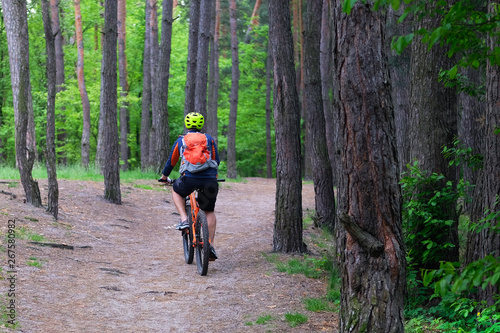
[317, 304]
[295, 319]
[262, 320]
[425, 219]
[309, 266]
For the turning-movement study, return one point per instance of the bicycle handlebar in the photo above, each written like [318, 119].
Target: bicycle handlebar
[171, 181]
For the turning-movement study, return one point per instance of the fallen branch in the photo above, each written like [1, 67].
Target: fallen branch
[8, 193]
[60, 246]
[369, 243]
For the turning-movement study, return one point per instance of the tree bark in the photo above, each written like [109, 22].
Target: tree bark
[287, 236]
[269, 145]
[50, 154]
[16, 26]
[211, 123]
[488, 240]
[146, 93]
[235, 78]
[194, 19]
[85, 145]
[112, 192]
[370, 244]
[200, 95]
[162, 144]
[155, 82]
[60, 77]
[432, 125]
[122, 69]
[254, 20]
[316, 129]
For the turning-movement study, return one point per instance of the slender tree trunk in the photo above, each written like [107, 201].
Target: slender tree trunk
[146, 93]
[371, 246]
[235, 78]
[200, 95]
[254, 20]
[122, 66]
[211, 124]
[287, 236]
[112, 192]
[85, 149]
[155, 82]
[16, 26]
[194, 19]
[316, 129]
[162, 144]
[269, 146]
[60, 77]
[50, 154]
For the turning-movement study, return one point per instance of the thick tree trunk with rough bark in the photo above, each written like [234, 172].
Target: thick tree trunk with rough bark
[269, 144]
[370, 243]
[194, 19]
[488, 240]
[16, 26]
[287, 236]
[50, 153]
[316, 129]
[122, 69]
[111, 170]
[235, 78]
[200, 94]
[146, 93]
[85, 145]
[432, 125]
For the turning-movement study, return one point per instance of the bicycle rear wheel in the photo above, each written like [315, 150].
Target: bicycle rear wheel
[202, 243]
[187, 238]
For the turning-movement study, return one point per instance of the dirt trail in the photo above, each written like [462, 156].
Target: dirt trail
[127, 272]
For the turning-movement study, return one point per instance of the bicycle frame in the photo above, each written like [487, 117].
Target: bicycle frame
[195, 208]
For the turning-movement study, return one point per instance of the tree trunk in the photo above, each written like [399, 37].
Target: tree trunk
[122, 68]
[155, 82]
[287, 236]
[432, 125]
[112, 192]
[316, 129]
[370, 247]
[235, 78]
[200, 94]
[488, 240]
[194, 19]
[50, 153]
[85, 150]
[326, 67]
[146, 93]
[162, 144]
[60, 78]
[16, 26]
[254, 20]
[269, 145]
[211, 123]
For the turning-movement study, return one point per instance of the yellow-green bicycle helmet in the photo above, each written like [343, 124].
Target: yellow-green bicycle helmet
[194, 120]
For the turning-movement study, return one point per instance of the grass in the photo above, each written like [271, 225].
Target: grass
[295, 319]
[34, 262]
[24, 232]
[317, 304]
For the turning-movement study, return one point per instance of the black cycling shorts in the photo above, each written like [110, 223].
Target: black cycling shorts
[207, 190]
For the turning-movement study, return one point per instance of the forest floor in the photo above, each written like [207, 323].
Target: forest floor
[126, 272]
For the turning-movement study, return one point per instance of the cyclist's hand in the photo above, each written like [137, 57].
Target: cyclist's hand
[167, 180]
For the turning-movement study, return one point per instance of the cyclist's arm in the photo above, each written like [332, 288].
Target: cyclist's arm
[172, 159]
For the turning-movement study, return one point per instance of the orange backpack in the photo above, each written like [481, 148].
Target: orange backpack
[195, 154]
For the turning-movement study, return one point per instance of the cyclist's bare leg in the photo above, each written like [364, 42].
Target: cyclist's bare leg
[212, 223]
[180, 204]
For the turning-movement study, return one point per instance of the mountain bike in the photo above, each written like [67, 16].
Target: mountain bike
[195, 239]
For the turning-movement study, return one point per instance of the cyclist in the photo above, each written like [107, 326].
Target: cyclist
[199, 164]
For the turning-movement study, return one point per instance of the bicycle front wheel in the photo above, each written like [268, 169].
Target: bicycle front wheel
[187, 238]
[202, 243]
